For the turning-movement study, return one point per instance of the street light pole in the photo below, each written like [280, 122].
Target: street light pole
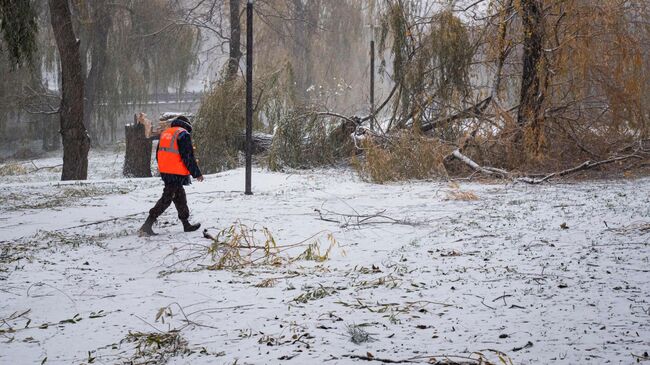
[372, 65]
[372, 83]
[249, 95]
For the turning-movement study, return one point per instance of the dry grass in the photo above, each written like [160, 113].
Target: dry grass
[155, 347]
[408, 157]
[13, 169]
[267, 283]
[461, 195]
[314, 294]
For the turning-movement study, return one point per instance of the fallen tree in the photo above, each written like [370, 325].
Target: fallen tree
[261, 141]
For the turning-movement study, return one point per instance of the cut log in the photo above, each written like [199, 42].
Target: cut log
[137, 158]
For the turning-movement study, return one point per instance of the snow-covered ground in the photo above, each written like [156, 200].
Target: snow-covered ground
[544, 274]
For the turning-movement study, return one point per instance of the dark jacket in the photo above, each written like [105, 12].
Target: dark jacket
[187, 155]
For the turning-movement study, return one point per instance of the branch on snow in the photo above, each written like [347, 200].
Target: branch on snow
[529, 179]
[346, 220]
[583, 166]
[492, 171]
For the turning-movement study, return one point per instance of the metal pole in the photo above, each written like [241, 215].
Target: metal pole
[372, 84]
[249, 95]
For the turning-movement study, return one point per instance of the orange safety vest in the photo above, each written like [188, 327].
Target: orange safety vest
[169, 157]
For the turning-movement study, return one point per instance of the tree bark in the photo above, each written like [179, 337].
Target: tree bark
[530, 114]
[234, 52]
[76, 142]
[503, 49]
[99, 58]
[304, 25]
[530, 97]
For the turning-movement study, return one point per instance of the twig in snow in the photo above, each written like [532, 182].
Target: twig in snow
[482, 300]
[53, 287]
[100, 222]
[36, 168]
[379, 359]
[504, 296]
[346, 220]
[428, 359]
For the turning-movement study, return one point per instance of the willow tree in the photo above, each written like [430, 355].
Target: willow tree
[575, 79]
[18, 30]
[323, 44]
[17, 46]
[131, 51]
[431, 57]
[24, 89]
[18, 25]
[310, 55]
[126, 51]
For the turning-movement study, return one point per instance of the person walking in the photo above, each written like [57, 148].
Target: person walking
[176, 163]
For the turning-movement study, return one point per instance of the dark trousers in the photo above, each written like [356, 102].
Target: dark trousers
[172, 193]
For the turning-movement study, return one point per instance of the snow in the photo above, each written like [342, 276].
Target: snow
[562, 267]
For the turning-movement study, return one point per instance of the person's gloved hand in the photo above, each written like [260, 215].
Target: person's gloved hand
[200, 178]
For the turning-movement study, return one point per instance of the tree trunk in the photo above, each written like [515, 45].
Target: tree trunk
[137, 158]
[99, 57]
[73, 132]
[304, 26]
[235, 53]
[530, 115]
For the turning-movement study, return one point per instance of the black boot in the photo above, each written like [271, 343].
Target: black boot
[187, 227]
[146, 229]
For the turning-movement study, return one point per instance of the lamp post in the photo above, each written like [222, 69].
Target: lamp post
[372, 82]
[249, 95]
[372, 65]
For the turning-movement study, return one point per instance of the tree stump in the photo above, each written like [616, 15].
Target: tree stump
[137, 159]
